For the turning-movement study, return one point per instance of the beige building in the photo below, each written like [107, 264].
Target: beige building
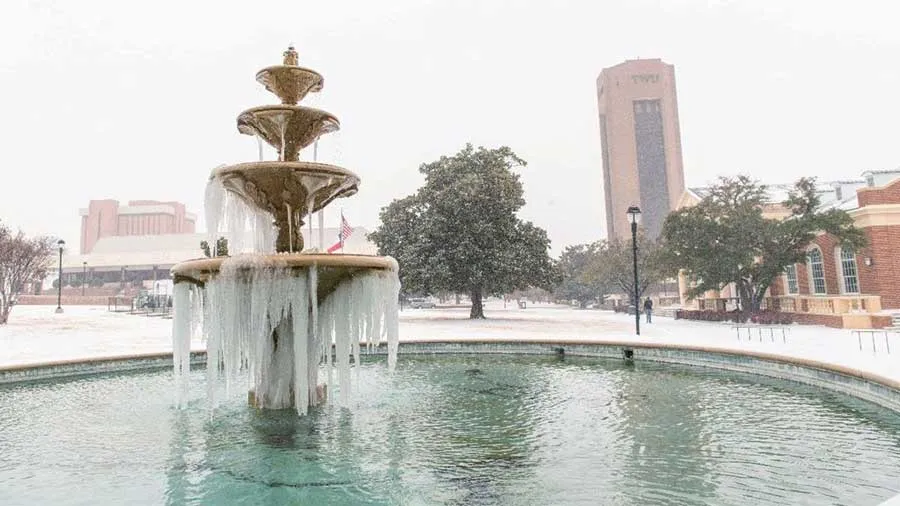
[641, 142]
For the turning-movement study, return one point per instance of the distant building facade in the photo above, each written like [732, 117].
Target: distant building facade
[129, 261]
[108, 218]
[641, 143]
[835, 286]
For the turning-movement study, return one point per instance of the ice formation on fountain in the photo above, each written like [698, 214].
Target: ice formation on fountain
[271, 310]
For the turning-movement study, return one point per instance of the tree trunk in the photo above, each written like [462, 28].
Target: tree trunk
[744, 299]
[4, 313]
[477, 310]
[457, 299]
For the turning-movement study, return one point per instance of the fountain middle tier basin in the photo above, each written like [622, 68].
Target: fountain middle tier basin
[290, 83]
[287, 128]
[304, 187]
[332, 269]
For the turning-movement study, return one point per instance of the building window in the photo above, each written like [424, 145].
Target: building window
[849, 275]
[816, 271]
[790, 275]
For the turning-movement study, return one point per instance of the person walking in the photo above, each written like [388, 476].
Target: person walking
[648, 308]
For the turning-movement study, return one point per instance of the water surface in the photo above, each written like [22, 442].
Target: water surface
[461, 430]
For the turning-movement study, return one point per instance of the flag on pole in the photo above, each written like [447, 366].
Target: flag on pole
[345, 231]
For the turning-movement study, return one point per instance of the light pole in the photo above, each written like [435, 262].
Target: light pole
[83, 276]
[634, 214]
[59, 308]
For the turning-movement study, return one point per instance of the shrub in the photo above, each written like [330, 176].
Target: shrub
[761, 317]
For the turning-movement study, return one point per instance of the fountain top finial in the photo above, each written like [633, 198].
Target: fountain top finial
[291, 57]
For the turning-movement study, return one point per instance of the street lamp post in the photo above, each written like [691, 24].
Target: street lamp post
[634, 214]
[83, 276]
[59, 308]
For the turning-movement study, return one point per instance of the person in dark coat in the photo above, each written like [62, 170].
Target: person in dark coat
[648, 308]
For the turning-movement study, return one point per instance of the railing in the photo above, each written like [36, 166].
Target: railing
[825, 304]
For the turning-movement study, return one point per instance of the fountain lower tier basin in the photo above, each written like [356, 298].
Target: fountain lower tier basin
[287, 128]
[299, 188]
[473, 430]
[332, 269]
[290, 83]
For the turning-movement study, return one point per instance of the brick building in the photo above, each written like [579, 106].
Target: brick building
[107, 218]
[836, 287]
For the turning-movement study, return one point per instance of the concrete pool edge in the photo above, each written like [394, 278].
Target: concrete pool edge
[855, 382]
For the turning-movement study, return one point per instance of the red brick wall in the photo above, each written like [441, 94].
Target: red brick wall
[777, 288]
[803, 279]
[889, 194]
[884, 275]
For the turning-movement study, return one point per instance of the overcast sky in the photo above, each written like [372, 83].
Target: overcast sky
[138, 100]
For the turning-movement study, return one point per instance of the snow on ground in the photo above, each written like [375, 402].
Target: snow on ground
[36, 334]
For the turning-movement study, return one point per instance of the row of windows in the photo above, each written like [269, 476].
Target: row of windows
[849, 277]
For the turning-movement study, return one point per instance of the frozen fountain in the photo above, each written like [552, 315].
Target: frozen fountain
[274, 310]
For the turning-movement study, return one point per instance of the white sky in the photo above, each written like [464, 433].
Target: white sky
[138, 100]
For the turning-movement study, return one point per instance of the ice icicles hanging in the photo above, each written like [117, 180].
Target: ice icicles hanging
[181, 339]
[248, 229]
[265, 319]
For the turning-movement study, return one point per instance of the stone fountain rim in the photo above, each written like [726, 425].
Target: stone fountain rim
[302, 165]
[272, 68]
[199, 270]
[291, 107]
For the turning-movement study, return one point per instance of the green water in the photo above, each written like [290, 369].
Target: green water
[458, 430]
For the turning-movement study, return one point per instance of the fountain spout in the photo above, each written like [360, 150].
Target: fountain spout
[290, 57]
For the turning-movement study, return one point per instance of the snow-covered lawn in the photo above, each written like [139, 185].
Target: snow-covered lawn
[36, 334]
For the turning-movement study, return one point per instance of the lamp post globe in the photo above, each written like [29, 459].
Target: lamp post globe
[634, 215]
[59, 283]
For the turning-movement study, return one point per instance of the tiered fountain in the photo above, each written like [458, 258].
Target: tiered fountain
[274, 310]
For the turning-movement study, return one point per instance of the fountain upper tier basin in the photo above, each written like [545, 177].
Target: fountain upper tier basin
[332, 269]
[272, 186]
[290, 83]
[287, 128]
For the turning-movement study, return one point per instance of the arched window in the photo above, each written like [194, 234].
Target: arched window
[790, 276]
[849, 277]
[816, 271]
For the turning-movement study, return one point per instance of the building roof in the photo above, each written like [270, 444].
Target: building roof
[839, 194]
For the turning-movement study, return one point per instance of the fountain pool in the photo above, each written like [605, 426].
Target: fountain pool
[457, 429]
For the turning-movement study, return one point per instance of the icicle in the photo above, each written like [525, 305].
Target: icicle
[315, 346]
[299, 307]
[181, 339]
[266, 319]
[259, 143]
[213, 205]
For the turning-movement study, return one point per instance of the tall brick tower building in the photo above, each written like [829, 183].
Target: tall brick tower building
[641, 143]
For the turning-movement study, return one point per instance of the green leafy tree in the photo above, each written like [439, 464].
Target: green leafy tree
[579, 277]
[613, 265]
[22, 260]
[726, 239]
[460, 233]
